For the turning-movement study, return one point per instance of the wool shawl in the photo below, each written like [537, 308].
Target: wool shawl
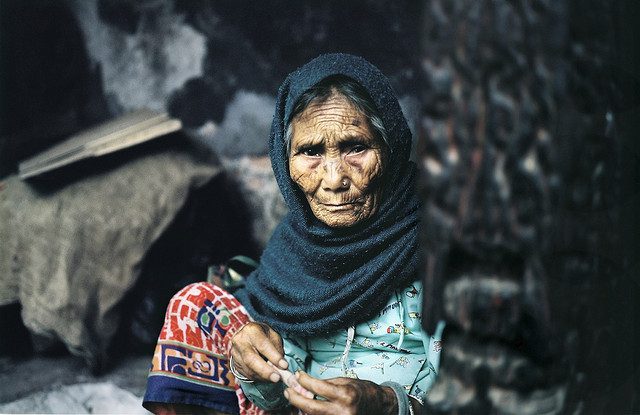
[315, 279]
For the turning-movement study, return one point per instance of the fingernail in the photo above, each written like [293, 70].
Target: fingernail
[274, 377]
[283, 364]
[286, 393]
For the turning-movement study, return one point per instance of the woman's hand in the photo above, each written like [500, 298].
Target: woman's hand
[252, 346]
[343, 396]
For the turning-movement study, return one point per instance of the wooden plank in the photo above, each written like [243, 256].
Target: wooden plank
[111, 136]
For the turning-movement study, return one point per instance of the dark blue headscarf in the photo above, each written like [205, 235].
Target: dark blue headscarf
[312, 278]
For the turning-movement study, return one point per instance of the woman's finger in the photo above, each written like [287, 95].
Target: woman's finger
[250, 346]
[268, 343]
[257, 365]
[309, 406]
[324, 388]
[250, 364]
[291, 381]
[277, 341]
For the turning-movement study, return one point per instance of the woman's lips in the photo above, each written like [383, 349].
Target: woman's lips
[336, 207]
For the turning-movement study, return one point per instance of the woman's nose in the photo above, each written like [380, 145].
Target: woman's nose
[334, 177]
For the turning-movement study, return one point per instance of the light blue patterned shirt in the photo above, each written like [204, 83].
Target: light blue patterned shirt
[392, 346]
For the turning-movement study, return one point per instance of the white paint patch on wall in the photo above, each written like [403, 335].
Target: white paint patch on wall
[143, 69]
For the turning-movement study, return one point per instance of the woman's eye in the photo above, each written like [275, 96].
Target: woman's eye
[311, 151]
[357, 148]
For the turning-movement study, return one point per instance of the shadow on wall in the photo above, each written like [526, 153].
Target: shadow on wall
[49, 87]
[210, 229]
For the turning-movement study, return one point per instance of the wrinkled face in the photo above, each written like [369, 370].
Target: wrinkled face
[337, 161]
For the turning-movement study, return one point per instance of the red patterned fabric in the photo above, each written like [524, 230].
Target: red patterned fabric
[191, 360]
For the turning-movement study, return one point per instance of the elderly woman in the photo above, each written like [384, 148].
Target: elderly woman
[336, 298]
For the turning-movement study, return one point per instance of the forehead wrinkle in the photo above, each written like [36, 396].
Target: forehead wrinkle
[326, 117]
[322, 117]
[308, 139]
[330, 122]
[334, 138]
[335, 100]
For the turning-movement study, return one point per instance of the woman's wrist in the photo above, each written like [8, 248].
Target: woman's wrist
[230, 334]
[415, 406]
[235, 330]
[390, 401]
[403, 403]
[239, 376]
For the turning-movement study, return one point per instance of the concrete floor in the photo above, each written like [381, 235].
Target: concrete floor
[65, 385]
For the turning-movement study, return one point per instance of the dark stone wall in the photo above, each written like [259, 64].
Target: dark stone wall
[521, 152]
[48, 89]
[259, 43]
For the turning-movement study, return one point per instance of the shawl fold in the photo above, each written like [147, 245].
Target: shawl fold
[314, 279]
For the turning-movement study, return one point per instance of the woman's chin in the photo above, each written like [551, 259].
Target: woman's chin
[341, 218]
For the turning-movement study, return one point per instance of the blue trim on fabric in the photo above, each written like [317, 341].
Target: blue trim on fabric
[164, 389]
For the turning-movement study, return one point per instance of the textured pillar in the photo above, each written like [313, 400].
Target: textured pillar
[521, 159]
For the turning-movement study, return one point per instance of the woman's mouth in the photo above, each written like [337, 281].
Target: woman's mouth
[336, 207]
